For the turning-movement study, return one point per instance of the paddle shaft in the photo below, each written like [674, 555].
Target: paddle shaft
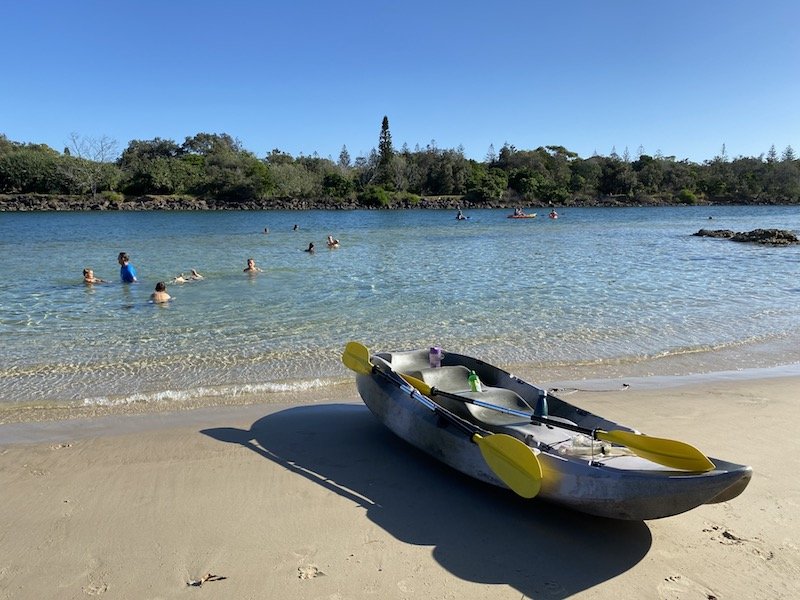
[517, 413]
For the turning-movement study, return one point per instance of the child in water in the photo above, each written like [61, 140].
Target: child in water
[160, 295]
[88, 277]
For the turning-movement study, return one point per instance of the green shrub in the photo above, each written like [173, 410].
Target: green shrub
[375, 196]
[112, 196]
[408, 198]
[686, 196]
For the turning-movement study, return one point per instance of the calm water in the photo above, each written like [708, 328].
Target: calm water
[603, 288]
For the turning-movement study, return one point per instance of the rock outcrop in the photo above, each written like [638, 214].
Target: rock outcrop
[772, 237]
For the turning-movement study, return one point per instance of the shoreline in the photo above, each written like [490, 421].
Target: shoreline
[30, 422]
[35, 202]
[666, 372]
[316, 499]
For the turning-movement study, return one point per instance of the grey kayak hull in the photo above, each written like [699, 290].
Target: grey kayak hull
[624, 487]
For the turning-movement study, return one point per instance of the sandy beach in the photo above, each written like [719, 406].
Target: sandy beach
[319, 501]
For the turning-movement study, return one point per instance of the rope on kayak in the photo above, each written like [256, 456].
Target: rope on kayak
[571, 390]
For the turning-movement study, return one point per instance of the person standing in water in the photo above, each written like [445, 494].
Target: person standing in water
[126, 271]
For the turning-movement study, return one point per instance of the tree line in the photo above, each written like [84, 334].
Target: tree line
[216, 166]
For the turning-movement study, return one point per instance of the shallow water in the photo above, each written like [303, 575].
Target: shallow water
[598, 292]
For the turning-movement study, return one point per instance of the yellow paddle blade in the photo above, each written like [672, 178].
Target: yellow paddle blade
[512, 461]
[670, 453]
[417, 383]
[357, 358]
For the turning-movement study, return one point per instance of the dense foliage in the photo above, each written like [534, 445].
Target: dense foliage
[215, 166]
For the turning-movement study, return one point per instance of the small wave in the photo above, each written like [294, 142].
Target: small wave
[183, 396]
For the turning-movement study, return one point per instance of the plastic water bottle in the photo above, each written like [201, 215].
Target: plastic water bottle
[474, 382]
[435, 357]
[541, 405]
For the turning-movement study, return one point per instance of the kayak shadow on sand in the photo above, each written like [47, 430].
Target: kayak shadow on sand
[478, 532]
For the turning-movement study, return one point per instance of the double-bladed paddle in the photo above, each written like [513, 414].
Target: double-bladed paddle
[514, 463]
[670, 453]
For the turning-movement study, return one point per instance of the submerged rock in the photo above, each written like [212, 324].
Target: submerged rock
[773, 237]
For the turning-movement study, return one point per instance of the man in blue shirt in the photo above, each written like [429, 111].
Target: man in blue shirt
[126, 271]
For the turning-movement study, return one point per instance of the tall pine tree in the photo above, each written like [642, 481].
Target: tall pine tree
[385, 154]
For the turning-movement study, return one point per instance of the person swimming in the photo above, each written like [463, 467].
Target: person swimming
[194, 276]
[251, 266]
[310, 248]
[88, 277]
[332, 243]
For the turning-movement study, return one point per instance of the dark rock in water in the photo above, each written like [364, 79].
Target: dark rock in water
[774, 237]
[716, 233]
[777, 237]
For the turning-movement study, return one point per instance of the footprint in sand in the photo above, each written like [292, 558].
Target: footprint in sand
[95, 589]
[678, 587]
[309, 572]
[727, 538]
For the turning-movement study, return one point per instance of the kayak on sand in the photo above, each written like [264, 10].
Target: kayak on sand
[497, 428]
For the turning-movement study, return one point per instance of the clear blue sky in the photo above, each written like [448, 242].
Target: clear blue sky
[683, 77]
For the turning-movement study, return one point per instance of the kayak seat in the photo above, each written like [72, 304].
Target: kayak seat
[499, 397]
[455, 379]
[448, 379]
[409, 362]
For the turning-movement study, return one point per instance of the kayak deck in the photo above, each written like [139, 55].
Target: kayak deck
[455, 379]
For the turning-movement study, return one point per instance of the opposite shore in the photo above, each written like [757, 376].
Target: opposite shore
[44, 202]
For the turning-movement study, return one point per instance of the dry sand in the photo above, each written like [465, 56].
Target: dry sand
[321, 502]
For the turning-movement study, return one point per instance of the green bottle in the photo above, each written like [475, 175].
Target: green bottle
[541, 405]
[474, 382]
